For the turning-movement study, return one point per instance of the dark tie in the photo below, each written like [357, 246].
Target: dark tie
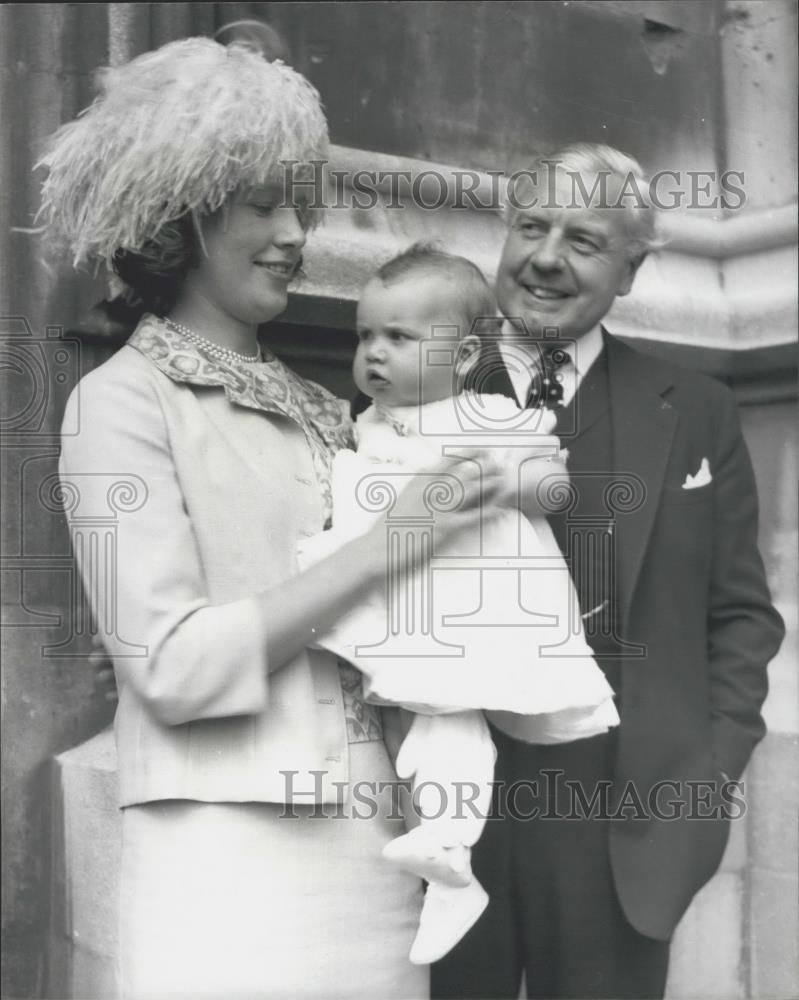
[546, 387]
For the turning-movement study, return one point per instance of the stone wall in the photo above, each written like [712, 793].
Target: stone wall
[707, 85]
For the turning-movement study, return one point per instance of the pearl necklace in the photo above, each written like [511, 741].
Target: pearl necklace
[215, 350]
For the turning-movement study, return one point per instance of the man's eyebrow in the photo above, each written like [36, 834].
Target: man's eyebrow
[595, 230]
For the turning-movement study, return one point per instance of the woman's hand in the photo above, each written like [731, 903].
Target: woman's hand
[305, 606]
[543, 483]
[479, 490]
[530, 479]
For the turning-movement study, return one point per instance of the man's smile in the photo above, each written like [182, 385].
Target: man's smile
[543, 293]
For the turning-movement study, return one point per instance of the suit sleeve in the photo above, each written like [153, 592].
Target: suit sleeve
[147, 590]
[744, 629]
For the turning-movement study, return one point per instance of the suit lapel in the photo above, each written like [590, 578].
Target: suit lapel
[587, 405]
[643, 423]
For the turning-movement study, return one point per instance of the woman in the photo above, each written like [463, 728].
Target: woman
[173, 177]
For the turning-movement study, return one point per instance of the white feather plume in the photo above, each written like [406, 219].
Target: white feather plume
[176, 130]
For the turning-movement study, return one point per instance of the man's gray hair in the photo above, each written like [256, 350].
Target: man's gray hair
[588, 159]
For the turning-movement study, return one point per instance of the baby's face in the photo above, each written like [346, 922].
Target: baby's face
[397, 362]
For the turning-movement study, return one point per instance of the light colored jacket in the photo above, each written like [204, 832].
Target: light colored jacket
[176, 523]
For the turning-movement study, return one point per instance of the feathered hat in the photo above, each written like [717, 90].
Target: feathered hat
[174, 131]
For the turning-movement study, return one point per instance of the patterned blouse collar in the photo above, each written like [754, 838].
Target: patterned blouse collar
[269, 386]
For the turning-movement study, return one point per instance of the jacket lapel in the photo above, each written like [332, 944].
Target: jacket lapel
[270, 387]
[643, 422]
[587, 405]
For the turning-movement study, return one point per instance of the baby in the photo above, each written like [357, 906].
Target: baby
[482, 636]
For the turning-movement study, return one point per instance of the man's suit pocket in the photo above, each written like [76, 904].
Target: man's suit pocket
[677, 495]
[684, 527]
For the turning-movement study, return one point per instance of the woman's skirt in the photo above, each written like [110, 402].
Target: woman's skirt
[225, 901]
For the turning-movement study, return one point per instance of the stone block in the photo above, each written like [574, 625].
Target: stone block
[706, 950]
[735, 857]
[773, 800]
[87, 842]
[774, 942]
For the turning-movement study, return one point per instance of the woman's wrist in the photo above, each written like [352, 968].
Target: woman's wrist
[365, 557]
[304, 607]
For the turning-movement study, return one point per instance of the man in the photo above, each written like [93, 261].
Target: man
[599, 845]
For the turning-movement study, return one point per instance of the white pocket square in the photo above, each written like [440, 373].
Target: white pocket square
[700, 478]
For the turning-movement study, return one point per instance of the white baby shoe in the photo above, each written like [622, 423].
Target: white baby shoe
[420, 852]
[447, 914]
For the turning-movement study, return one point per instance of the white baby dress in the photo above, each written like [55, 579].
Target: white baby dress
[478, 629]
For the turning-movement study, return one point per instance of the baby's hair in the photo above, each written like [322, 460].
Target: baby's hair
[474, 298]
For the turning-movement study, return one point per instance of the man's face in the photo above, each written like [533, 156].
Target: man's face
[564, 261]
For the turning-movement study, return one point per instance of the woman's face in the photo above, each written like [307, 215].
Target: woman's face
[253, 246]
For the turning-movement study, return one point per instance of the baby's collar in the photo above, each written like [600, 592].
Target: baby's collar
[406, 419]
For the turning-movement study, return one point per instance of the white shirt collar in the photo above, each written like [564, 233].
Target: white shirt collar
[586, 350]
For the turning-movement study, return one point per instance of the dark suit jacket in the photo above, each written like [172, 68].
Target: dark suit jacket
[693, 592]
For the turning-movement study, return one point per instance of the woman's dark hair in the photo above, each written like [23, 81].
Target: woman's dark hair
[157, 271]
